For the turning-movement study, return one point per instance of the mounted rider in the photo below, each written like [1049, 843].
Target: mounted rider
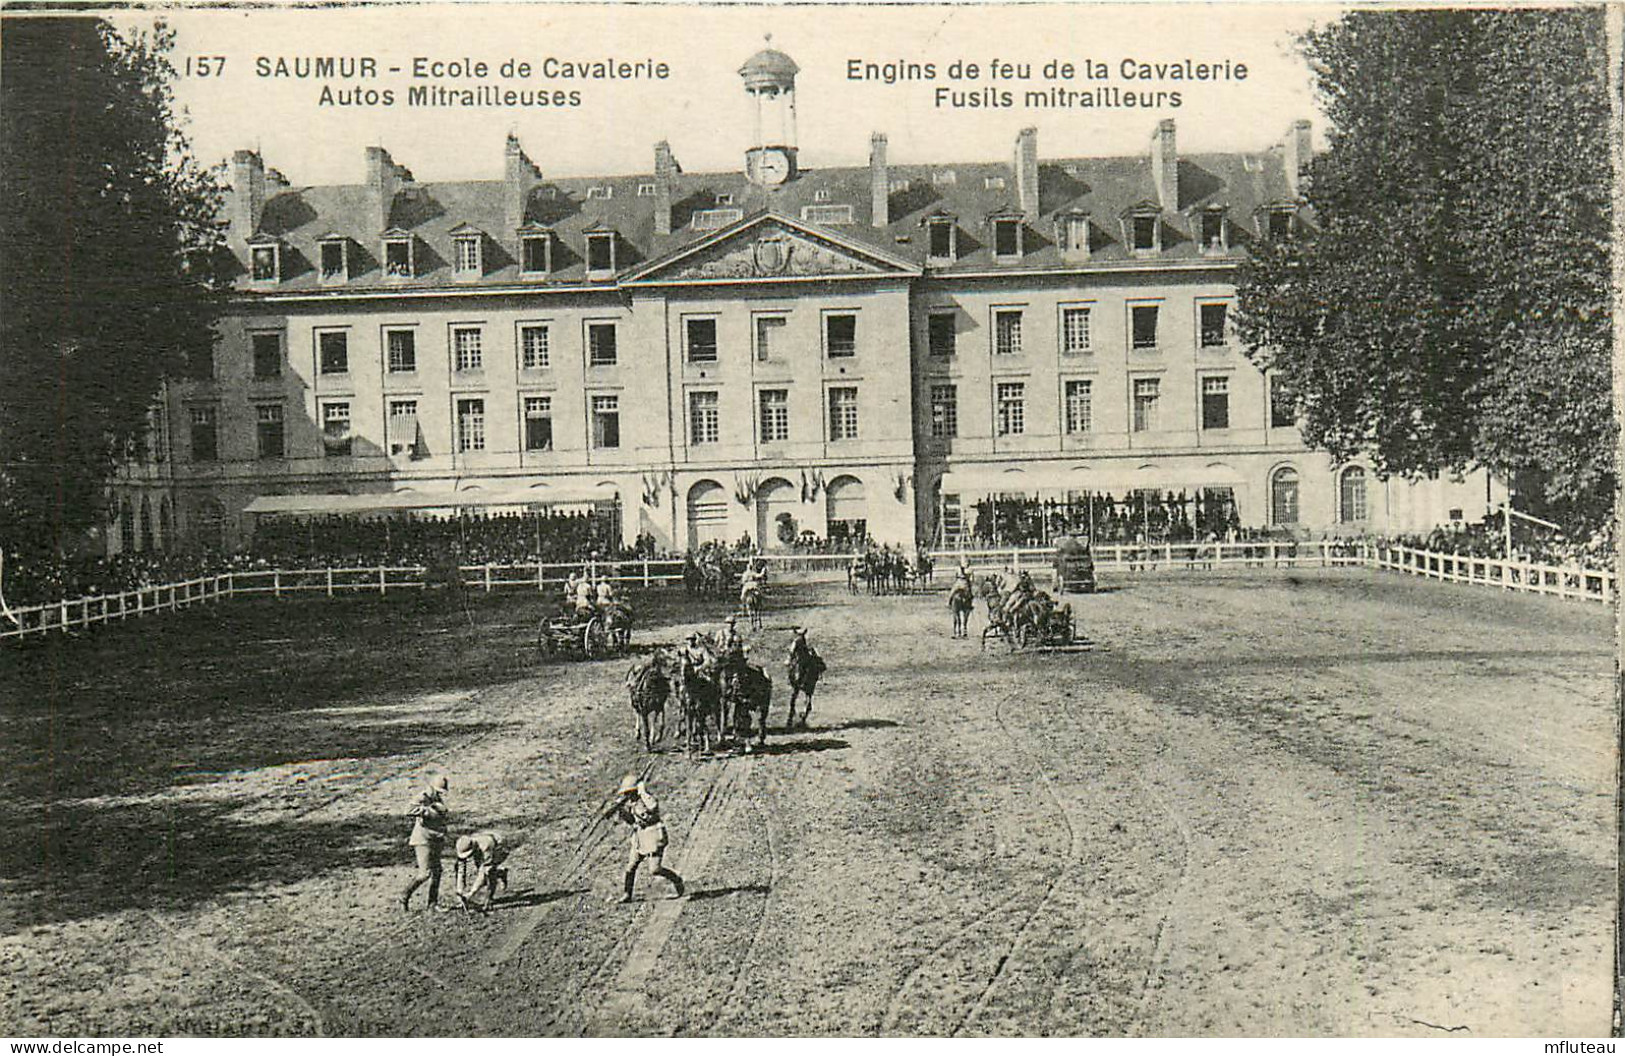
[1020, 594]
[751, 581]
[732, 648]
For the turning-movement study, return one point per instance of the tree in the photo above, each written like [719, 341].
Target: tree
[1449, 307]
[108, 252]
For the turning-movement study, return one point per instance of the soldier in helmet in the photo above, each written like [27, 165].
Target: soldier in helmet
[429, 817]
[636, 807]
[479, 867]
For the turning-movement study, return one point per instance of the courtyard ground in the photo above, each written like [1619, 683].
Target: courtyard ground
[1329, 802]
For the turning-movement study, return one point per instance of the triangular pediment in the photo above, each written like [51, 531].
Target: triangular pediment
[767, 247]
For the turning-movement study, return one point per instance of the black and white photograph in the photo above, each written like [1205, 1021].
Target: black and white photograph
[891, 521]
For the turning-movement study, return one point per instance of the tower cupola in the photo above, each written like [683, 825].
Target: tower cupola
[770, 82]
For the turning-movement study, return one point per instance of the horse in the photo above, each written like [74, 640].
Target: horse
[750, 693]
[650, 685]
[750, 600]
[961, 602]
[804, 668]
[700, 695]
[618, 616]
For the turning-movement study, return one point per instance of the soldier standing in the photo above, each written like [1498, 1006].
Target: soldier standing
[428, 838]
[634, 805]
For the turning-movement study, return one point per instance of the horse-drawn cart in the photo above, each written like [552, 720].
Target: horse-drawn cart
[586, 637]
[1074, 566]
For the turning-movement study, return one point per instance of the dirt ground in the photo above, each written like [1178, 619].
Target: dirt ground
[1264, 803]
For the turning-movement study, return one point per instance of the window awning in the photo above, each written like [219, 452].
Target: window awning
[403, 501]
[1117, 477]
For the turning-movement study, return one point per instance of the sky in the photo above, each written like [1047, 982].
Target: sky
[701, 107]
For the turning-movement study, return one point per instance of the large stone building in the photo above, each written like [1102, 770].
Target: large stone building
[707, 355]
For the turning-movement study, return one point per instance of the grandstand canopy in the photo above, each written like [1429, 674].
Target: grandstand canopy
[426, 501]
[1118, 479]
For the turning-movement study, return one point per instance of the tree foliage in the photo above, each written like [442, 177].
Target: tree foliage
[108, 241]
[1450, 307]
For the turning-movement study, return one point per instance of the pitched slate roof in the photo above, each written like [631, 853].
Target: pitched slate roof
[1243, 184]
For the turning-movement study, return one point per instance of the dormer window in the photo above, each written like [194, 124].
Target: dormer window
[1072, 233]
[600, 253]
[1278, 223]
[1214, 231]
[821, 196]
[1007, 236]
[944, 178]
[646, 190]
[897, 186]
[993, 183]
[468, 258]
[1142, 227]
[335, 258]
[942, 238]
[725, 199]
[604, 192]
[398, 255]
[535, 251]
[265, 260]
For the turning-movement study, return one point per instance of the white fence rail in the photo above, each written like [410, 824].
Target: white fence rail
[86, 612]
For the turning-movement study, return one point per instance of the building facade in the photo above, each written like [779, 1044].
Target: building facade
[779, 351]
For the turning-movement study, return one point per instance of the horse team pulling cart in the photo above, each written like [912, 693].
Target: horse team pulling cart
[574, 635]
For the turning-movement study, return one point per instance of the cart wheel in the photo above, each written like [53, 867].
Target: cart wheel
[594, 641]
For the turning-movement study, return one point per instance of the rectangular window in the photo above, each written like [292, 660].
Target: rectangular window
[769, 336]
[268, 424]
[941, 238]
[843, 414]
[1283, 408]
[403, 427]
[601, 252]
[333, 260]
[403, 351]
[1007, 238]
[1145, 232]
[1007, 333]
[827, 214]
[1012, 408]
[944, 412]
[1280, 225]
[1213, 328]
[468, 256]
[470, 425]
[1144, 320]
[714, 219]
[336, 440]
[263, 262]
[940, 333]
[467, 351]
[538, 423]
[205, 435]
[606, 422]
[267, 356]
[536, 255]
[704, 420]
[1146, 391]
[601, 344]
[775, 415]
[1215, 403]
[1077, 234]
[840, 335]
[1079, 407]
[1074, 331]
[398, 257]
[334, 352]
[533, 348]
[701, 335]
[1212, 231]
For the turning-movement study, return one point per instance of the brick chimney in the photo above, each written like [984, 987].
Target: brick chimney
[879, 182]
[1165, 165]
[384, 178]
[1027, 173]
[1296, 155]
[247, 196]
[666, 171]
[519, 176]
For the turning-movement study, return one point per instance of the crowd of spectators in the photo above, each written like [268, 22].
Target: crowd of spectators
[1530, 544]
[335, 541]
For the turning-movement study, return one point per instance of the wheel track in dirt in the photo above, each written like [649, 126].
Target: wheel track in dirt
[317, 1020]
[1073, 855]
[742, 962]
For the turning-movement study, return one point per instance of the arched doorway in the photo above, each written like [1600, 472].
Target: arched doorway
[210, 525]
[778, 503]
[707, 514]
[166, 525]
[1284, 497]
[847, 510]
[146, 524]
[126, 528]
